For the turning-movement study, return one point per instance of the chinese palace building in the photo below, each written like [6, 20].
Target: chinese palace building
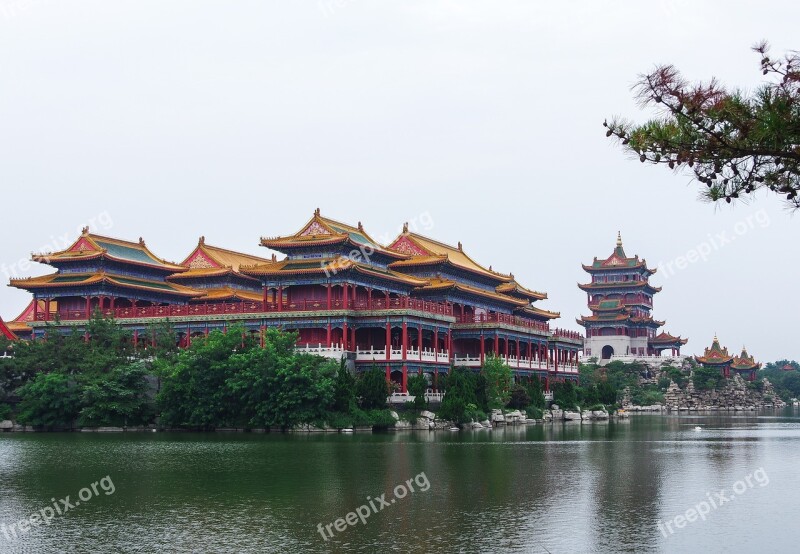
[620, 297]
[416, 305]
[718, 358]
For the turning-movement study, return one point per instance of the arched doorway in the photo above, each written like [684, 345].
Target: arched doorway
[608, 351]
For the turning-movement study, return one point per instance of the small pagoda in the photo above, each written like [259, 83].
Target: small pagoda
[717, 358]
[745, 366]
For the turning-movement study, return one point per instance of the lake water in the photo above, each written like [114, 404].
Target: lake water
[558, 488]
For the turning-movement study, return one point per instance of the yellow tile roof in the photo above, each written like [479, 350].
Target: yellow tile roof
[90, 245]
[438, 251]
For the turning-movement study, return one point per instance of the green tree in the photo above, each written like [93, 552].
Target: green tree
[732, 141]
[417, 385]
[706, 378]
[498, 382]
[520, 398]
[119, 398]
[565, 395]
[49, 400]
[344, 395]
[372, 389]
[194, 393]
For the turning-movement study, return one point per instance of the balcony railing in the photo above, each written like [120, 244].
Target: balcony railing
[567, 334]
[189, 310]
[505, 318]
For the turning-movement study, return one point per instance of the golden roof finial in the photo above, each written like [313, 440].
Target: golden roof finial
[619, 238]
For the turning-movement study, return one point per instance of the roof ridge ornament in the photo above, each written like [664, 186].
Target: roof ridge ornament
[316, 212]
[405, 228]
[619, 238]
[141, 241]
[202, 240]
[460, 247]
[85, 230]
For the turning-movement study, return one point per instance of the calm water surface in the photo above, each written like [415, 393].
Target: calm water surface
[601, 487]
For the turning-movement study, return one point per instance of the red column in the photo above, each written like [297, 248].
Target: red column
[344, 335]
[344, 295]
[328, 336]
[329, 302]
[405, 378]
[386, 294]
[506, 348]
[405, 342]
[369, 299]
[419, 341]
[483, 348]
[88, 307]
[35, 309]
[497, 344]
[388, 345]
[436, 344]
[280, 298]
[265, 301]
[47, 310]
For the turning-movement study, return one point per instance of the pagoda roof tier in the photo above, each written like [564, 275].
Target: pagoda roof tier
[539, 313]
[323, 231]
[426, 251]
[207, 257]
[744, 361]
[613, 305]
[209, 272]
[665, 338]
[6, 332]
[65, 280]
[618, 318]
[715, 355]
[439, 284]
[620, 285]
[329, 266]
[788, 367]
[90, 246]
[618, 260]
[228, 293]
[515, 289]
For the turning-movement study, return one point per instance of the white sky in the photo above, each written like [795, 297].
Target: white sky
[236, 119]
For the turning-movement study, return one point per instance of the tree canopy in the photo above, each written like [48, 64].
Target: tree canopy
[732, 141]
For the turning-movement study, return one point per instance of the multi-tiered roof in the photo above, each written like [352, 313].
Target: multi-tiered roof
[744, 362]
[716, 355]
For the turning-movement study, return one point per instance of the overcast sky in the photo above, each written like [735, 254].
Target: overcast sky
[480, 121]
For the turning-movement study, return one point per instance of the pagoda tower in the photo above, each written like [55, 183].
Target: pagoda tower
[717, 357]
[620, 297]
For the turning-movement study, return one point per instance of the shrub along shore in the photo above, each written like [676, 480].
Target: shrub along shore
[235, 380]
